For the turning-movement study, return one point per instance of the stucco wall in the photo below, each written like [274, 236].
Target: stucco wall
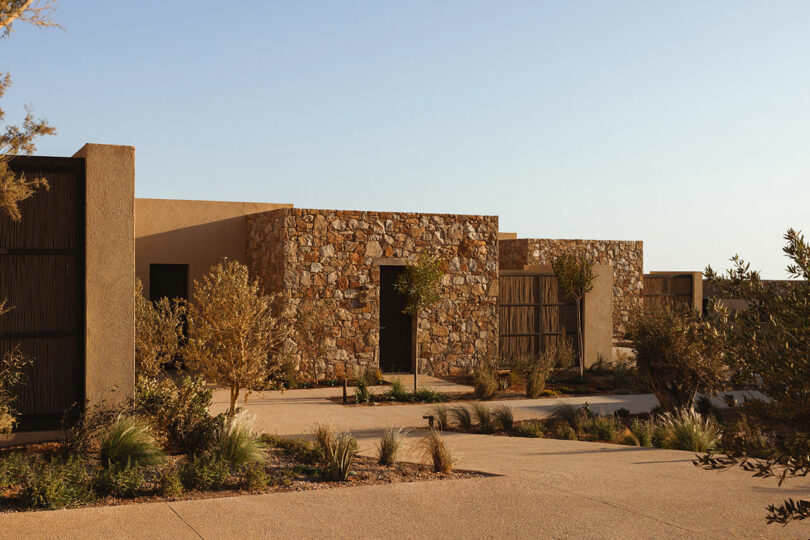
[626, 258]
[337, 254]
[109, 270]
[197, 233]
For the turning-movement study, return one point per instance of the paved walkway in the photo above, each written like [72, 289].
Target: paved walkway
[540, 489]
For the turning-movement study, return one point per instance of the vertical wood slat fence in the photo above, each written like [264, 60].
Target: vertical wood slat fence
[533, 314]
[667, 292]
[42, 277]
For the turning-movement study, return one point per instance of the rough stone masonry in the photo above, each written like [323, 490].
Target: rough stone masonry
[318, 254]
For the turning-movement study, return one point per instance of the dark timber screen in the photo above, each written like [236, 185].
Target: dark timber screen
[42, 276]
[533, 314]
[667, 292]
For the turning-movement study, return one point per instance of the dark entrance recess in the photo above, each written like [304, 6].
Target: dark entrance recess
[168, 280]
[395, 326]
[42, 276]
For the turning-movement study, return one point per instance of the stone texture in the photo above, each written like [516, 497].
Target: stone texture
[335, 254]
[626, 258]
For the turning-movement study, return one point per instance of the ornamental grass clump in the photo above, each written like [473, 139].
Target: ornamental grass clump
[504, 416]
[462, 417]
[339, 457]
[484, 417]
[238, 444]
[641, 433]
[397, 392]
[530, 428]
[485, 383]
[361, 392]
[441, 415]
[129, 442]
[437, 451]
[389, 446]
[690, 431]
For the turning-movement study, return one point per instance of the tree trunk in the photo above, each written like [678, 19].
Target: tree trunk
[415, 351]
[580, 340]
[234, 397]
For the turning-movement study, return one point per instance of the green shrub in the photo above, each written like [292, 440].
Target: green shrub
[390, 444]
[564, 431]
[254, 477]
[689, 431]
[238, 443]
[437, 451]
[180, 412]
[530, 428]
[484, 417]
[643, 431]
[463, 417]
[603, 427]
[440, 414]
[485, 383]
[397, 392]
[426, 395]
[339, 455]
[13, 467]
[58, 483]
[504, 416]
[538, 370]
[204, 472]
[129, 441]
[169, 484]
[120, 481]
[361, 392]
[301, 449]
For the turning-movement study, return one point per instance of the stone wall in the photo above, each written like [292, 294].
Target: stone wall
[319, 254]
[626, 258]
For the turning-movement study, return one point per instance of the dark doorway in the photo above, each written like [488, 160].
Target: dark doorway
[395, 326]
[168, 280]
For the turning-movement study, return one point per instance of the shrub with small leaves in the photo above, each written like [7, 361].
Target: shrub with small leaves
[254, 477]
[426, 395]
[564, 431]
[57, 483]
[530, 428]
[361, 392]
[205, 472]
[120, 481]
[643, 431]
[303, 450]
[13, 467]
[169, 484]
[485, 383]
[603, 427]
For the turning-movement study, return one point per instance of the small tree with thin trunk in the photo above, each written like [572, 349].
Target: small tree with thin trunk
[419, 284]
[576, 276]
[236, 336]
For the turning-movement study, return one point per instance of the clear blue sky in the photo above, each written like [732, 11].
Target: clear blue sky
[682, 124]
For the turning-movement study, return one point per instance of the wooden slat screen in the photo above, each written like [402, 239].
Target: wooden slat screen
[667, 292]
[533, 316]
[42, 276]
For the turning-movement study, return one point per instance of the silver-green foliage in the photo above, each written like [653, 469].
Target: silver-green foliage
[389, 445]
[690, 431]
[238, 444]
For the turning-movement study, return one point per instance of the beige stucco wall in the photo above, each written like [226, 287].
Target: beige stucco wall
[109, 271]
[197, 233]
[597, 316]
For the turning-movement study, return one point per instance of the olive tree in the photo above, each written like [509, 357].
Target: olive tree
[768, 344]
[575, 274]
[419, 284]
[677, 353]
[237, 336]
[158, 332]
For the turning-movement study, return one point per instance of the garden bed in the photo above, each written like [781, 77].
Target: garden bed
[291, 465]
